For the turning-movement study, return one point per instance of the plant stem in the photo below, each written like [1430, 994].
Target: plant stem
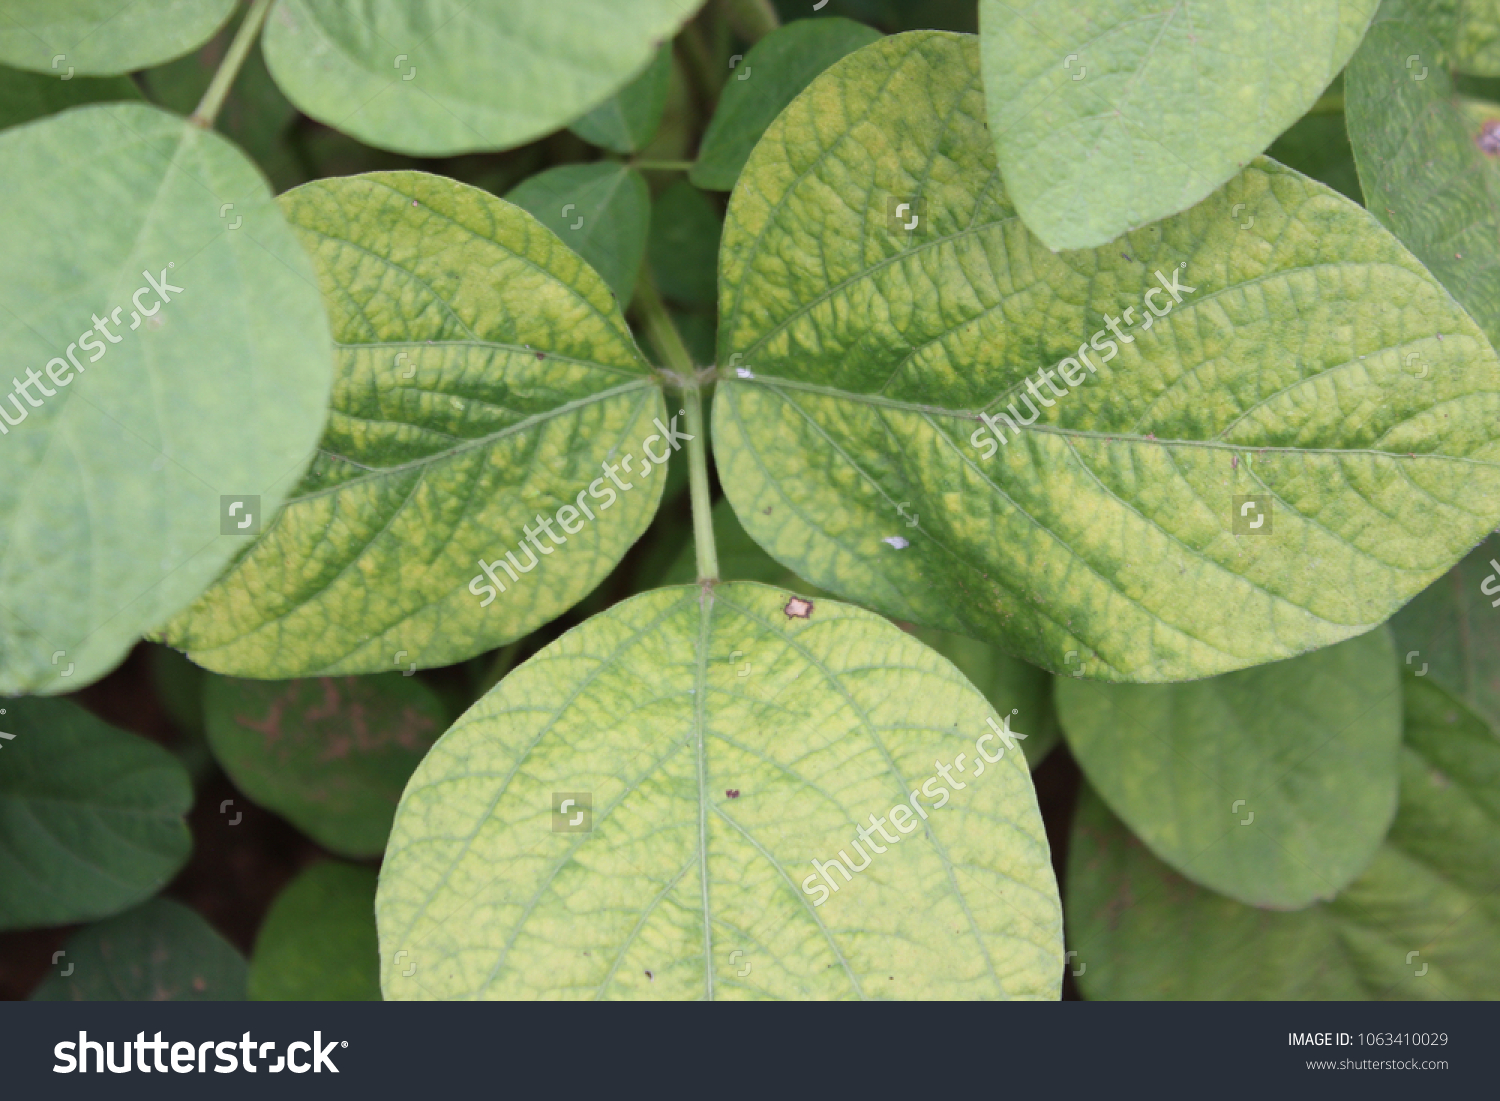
[752, 20]
[662, 166]
[663, 332]
[229, 68]
[703, 516]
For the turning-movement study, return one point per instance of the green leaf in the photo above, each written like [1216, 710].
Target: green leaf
[1005, 681]
[601, 211]
[427, 79]
[318, 942]
[90, 816]
[1111, 114]
[26, 96]
[689, 873]
[1110, 528]
[159, 952]
[113, 491]
[1425, 174]
[484, 374]
[772, 73]
[1422, 922]
[684, 245]
[628, 120]
[330, 755]
[1451, 632]
[1273, 785]
[1468, 33]
[104, 37]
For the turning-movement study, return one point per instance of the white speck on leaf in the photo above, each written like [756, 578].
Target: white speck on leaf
[896, 541]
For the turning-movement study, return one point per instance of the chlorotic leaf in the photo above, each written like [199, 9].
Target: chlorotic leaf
[26, 96]
[601, 211]
[1273, 785]
[627, 121]
[424, 78]
[777, 67]
[1240, 472]
[158, 952]
[484, 375]
[1104, 116]
[624, 816]
[1005, 681]
[683, 247]
[1451, 632]
[318, 942]
[1429, 165]
[330, 755]
[1422, 922]
[172, 286]
[104, 37]
[90, 816]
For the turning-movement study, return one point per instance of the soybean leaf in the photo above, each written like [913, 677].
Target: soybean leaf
[1468, 34]
[699, 798]
[1104, 116]
[330, 755]
[104, 37]
[627, 121]
[206, 392]
[777, 67]
[1273, 785]
[1427, 166]
[1252, 475]
[25, 96]
[90, 816]
[159, 952]
[424, 78]
[1422, 922]
[683, 246]
[1451, 632]
[601, 211]
[484, 375]
[318, 942]
[1005, 681]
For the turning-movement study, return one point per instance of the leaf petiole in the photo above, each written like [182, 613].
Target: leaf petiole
[218, 88]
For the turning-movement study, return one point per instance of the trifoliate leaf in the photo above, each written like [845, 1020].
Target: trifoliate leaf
[104, 37]
[1429, 165]
[485, 376]
[318, 942]
[1422, 922]
[424, 78]
[159, 952]
[90, 816]
[176, 369]
[1106, 117]
[627, 121]
[768, 78]
[330, 755]
[624, 816]
[1273, 785]
[1241, 471]
[1451, 632]
[601, 211]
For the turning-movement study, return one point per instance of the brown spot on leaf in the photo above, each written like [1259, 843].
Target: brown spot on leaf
[733, 793]
[797, 608]
[1488, 138]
